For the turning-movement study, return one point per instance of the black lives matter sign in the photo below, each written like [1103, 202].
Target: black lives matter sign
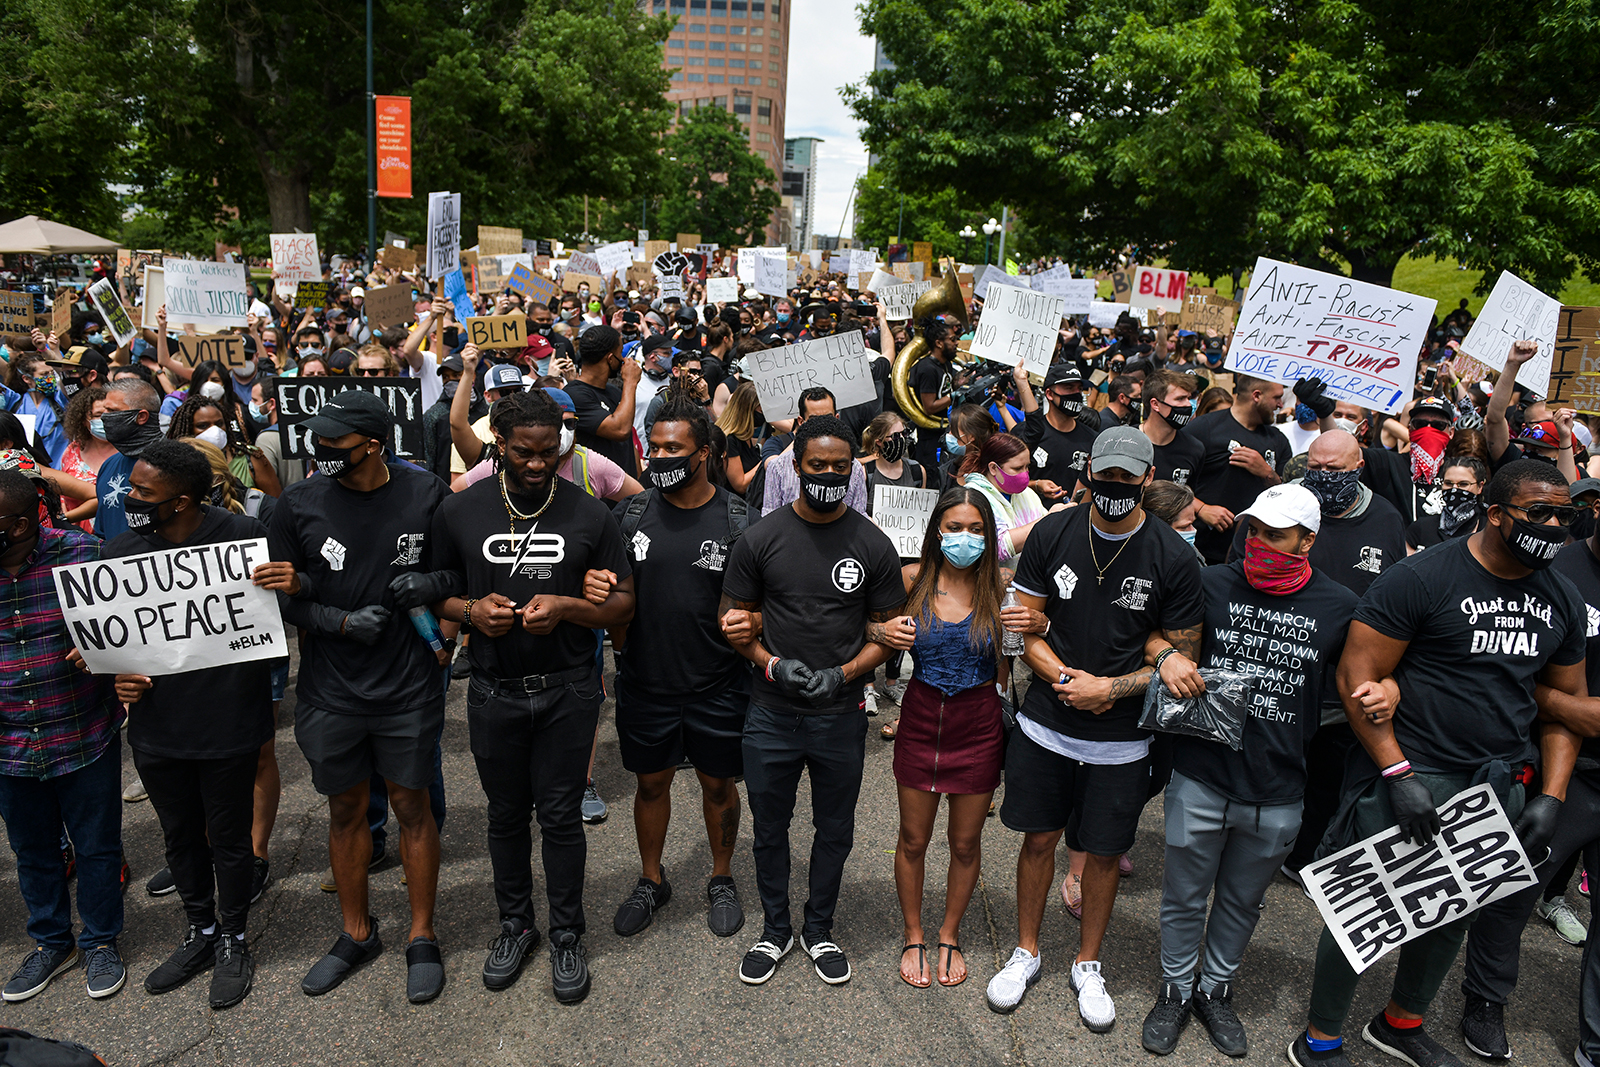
[300, 398]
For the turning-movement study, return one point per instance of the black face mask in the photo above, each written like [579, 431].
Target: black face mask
[335, 462]
[670, 474]
[1336, 491]
[1534, 547]
[1177, 417]
[1115, 501]
[892, 447]
[126, 434]
[1584, 528]
[1461, 507]
[217, 496]
[824, 492]
[141, 515]
[1071, 404]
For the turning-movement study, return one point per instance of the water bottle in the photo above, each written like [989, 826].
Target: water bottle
[1010, 643]
[427, 626]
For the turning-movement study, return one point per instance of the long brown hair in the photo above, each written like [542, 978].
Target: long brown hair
[739, 417]
[985, 627]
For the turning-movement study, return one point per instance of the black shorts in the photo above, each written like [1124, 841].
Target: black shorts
[346, 750]
[1097, 805]
[709, 732]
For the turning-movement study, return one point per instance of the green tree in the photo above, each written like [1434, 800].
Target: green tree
[934, 217]
[1337, 133]
[716, 186]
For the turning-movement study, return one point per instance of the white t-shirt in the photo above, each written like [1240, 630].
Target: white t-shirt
[1299, 438]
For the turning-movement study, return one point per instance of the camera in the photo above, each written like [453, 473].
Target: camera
[990, 381]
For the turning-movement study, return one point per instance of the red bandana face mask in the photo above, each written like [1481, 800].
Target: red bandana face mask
[1427, 450]
[1273, 572]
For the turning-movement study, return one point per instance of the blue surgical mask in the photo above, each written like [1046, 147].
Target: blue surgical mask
[97, 426]
[783, 316]
[954, 447]
[962, 549]
[95, 338]
[256, 412]
[1187, 535]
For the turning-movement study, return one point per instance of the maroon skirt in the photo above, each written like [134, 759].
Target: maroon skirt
[951, 744]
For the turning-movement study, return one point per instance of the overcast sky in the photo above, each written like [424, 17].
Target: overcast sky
[827, 52]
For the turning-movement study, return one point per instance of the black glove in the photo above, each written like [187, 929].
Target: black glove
[824, 686]
[1309, 392]
[1414, 812]
[415, 589]
[791, 676]
[366, 624]
[1537, 825]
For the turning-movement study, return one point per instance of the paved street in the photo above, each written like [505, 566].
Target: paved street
[670, 995]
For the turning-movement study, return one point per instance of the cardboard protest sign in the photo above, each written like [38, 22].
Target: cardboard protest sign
[532, 286]
[170, 612]
[880, 281]
[570, 280]
[1019, 327]
[772, 275]
[614, 258]
[389, 305]
[862, 259]
[491, 279]
[209, 293]
[498, 331]
[294, 260]
[687, 241]
[1156, 288]
[903, 513]
[583, 263]
[902, 271]
[1575, 369]
[499, 241]
[300, 398]
[306, 295]
[401, 259]
[106, 301]
[1380, 893]
[898, 300]
[225, 348]
[155, 295]
[722, 290]
[1360, 339]
[652, 249]
[839, 362]
[1122, 283]
[61, 313]
[1515, 311]
[641, 275]
[16, 313]
[1207, 314]
[1105, 313]
[444, 233]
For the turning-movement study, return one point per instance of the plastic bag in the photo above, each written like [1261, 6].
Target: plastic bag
[1218, 714]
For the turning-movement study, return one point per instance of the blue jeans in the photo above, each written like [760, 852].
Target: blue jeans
[88, 801]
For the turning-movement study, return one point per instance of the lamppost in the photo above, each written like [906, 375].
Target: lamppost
[990, 228]
[967, 233]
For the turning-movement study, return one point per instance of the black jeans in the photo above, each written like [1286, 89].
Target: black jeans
[534, 751]
[205, 807]
[778, 745]
[1324, 785]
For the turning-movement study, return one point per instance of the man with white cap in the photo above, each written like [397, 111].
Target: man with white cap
[1232, 815]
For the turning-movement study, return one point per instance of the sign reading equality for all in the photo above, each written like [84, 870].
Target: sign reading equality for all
[300, 398]
[839, 362]
[201, 292]
[903, 512]
[444, 233]
[168, 612]
[1360, 339]
[1515, 311]
[1380, 893]
[1019, 327]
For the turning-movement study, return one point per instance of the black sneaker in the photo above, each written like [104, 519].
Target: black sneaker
[161, 883]
[424, 970]
[197, 953]
[569, 966]
[461, 667]
[639, 909]
[1301, 1054]
[235, 972]
[105, 971]
[726, 916]
[345, 956]
[1166, 1020]
[507, 953]
[260, 878]
[1412, 1046]
[1215, 1010]
[761, 962]
[38, 969]
[1483, 1028]
[832, 967]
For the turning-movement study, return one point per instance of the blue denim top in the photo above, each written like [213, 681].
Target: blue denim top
[945, 658]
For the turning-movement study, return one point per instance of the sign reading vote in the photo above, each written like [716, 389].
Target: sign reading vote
[225, 348]
[1019, 327]
[202, 292]
[498, 331]
[1380, 893]
[903, 512]
[182, 609]
[839, 362]
[1516, 311]
[1360, 339]
[300, 398]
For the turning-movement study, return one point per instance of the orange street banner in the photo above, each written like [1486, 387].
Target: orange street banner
[394, 145]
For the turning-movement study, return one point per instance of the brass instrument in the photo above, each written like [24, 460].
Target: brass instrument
[946, 298]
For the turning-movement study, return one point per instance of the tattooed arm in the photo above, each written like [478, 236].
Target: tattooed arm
[741, 627]
[885, 631]
[1179, 672]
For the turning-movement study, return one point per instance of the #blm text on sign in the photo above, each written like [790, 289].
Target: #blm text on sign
[1515, 311]
[300, 398]
[839, 362]
[498, 331]
[1019, 327]
[1360, 339]
[903, 512]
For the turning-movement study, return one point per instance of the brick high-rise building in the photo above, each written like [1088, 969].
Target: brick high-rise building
[733, 54]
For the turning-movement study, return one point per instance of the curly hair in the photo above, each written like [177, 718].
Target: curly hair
[182, 424]
[79, 410]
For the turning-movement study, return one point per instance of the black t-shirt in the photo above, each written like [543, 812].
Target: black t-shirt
[595, 406]
[472, 534]
[1178, 459]
[1219, 482]
[816, 584]
[1477, 645]
[748, 454]
[1425, 533]
[211, 713]
[675, 649]
[1059, 457]
[1389, 475]
[931, 377]
[1354, 550]
[1292, 645]
[352, 545]
[1578, 564]
[1151, 582]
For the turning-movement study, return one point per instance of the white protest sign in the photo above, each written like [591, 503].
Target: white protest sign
[1104, 313]
[839, 362]
[155, 294]
[746, 267]
[1078, 293]
[898, 300]
[614, 258]
[1159, 289]
[294, 260]
[993, 275]
[583, 263]
[903, 513]
[861, 260]
[772, 275]
[183, 609]
[1019, 326]
[722, 290]
[1380, 893]
[29, 423]
[1360, 339]
[199, 291]
[669, 287]
[881, 280]
[1515, 311]
[444, 233]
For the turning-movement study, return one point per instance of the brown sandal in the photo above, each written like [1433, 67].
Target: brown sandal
[949, 952]
[889, 729]
[922, 958]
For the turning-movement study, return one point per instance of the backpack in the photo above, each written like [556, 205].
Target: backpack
[634, 507]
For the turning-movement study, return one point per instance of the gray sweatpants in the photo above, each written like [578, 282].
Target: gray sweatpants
[1215, 841]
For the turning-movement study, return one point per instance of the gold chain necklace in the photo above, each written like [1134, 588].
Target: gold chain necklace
[514, 513]
[1100, 577]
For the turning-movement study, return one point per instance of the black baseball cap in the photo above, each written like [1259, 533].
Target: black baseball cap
[1434, 405]
[352, 411]
[1062, 374]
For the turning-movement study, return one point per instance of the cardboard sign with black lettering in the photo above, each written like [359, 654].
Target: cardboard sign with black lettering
[401, 259]
[499, 241]
[571, 280]
[16, 313]
[389, 305]
[1575, 370]
[61, 313]
[300, 398]
[225, 348]
[498, 331]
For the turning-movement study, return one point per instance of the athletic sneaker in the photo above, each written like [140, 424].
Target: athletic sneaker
[461, 666]
[1166, 1020]
[1559, 914]
[1215, 1010]
[161, 883]
[507, 952]
[871, 698]
[1483, 1028]
[38, 969]
[893, 689]
[1412, 1046]
[1010, 984]
[135, 792]
[196, 954]
[761, 962]
[725, 916]
[569, 966]
[260, 878]
[639, 909]
[1094, 1003]
[105, 971]
[1293, 876]
[594, 809]
[832, 967]
[234, 974]
[1301, 1055]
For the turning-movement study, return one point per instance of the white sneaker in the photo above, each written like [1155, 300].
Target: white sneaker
[893, 690]
[1094, 1003]
[135, 792]
[872, 701]
[1010, 985]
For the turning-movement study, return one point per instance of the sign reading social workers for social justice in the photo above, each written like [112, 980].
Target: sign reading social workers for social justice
[839, 362]
[1516, 311]
[1380, 893]
[1360, 339]
[903, 512]
[1019, 327]
[182, 609]
[210, 293]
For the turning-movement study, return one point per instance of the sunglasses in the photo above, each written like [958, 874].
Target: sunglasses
[371, 372]
[1540, 514]
[1430, 424]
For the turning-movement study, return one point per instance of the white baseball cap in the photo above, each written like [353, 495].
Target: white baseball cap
[1283, 506]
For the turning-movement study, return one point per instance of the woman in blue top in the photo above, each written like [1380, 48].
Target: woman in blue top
[36, 390]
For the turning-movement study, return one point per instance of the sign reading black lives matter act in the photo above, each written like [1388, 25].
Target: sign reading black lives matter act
[300, 398]
[182, 609]
[1380, 893]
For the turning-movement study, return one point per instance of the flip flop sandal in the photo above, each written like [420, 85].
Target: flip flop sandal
[922, 960]
[949, 952]
[889, 729]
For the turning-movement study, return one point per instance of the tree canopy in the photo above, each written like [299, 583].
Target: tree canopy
[716, 186]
